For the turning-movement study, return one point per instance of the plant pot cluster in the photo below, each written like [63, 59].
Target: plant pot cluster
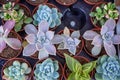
[41, 42]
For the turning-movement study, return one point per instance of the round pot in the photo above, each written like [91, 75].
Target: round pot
[79, 47]
[88, 47]
[37, 2]
[93, 2]
[8, 52]
[10, 62]
[60, 68]
[6, 1]
[82, 60]
[66, 2]
[51, 6]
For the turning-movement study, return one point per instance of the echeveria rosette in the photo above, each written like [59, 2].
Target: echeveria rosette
[108, 68]
[4, 32]
[51, 15]
[105, 39]
[17, 71]
[47, 70]
[79, 71]
[39, 40]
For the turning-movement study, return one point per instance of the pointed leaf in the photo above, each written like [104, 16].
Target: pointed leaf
[89, 35]
[72, 50]
[96, 50]
[57, 39]
[31, 38]
[29, 50]
[43, 26]
[50, 35]
[30, 29]
[61, 46]
[43, 53]
[97, 41]
[116, 39]
[51, 49]
[66, 31]
[72, 76]
[75, 34]
[77, 41]
[13, 43]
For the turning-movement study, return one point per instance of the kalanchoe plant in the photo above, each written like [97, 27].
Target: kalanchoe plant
[10, 11]
[17, 71]
[108, 68]
[104, 12]
[51, 15]
[105, 39]
[39, 40]
[69, 42]
[47, 70]
[79, 71]
[11, 42]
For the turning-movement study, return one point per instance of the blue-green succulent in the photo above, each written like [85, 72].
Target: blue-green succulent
[17, 71]
[47, 70]
[108, 68]
[51, 15]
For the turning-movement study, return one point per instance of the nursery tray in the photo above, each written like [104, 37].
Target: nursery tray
[83, 23]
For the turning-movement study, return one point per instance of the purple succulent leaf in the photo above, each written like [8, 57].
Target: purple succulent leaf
[43, 53]
[77, 41]
[38, 46]
[50, 35]
[1, 29]
[57, 39]
[96, 50]
[104, 29]
[51, 49]
[66, 31]
[13, 43]
[110, 49]
[89, 35]
[30, 29]
[97, 41]
[43, 26]
[29, 50]
[75, 34]
[31, 38]
[2, 45]
[116, 39]
[110, 24]
[72, 50]
[118, 26]
[61, 46]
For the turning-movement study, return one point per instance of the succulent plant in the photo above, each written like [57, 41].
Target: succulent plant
[17, 71]
[47, 70]
[10, 11]
[108, 68]
[79, 71]
[51, 15]
[39, 40]
[104, 12]
[105, 39]
[67, 41]
[4, 32]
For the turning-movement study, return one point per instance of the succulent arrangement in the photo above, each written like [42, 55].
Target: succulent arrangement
[51, 15]
[108, 68]
[10, 11]
[79, 71]
[104, 12]
[47, 70]
[39, 40]
[105, 39]
[17, 71]
[4, 39]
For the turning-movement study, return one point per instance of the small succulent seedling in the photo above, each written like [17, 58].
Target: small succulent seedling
[104, 12]
[10, 11]
[39, 40]
[79, 71]
[108, 68]
[47, 70]
[17, 71]
[105, 39]
[11, 42]
[69, 42]
[51, 15]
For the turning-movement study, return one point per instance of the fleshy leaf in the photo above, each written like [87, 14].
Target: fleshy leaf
[66, 31]
[72, 76]
[57, 39]
[72, 50]
[89, 35]
[72, 63]
[50, 35]
[96, 50]
[116, 39]
[51, 49]
[61, 46]
[104, 29]
[31, 38]
[98, 76]
[30, 29]
[29, 50]
[2, 45]
[118, 25]
[75, 34]
[13, 43]
[28, 20]
[43, 53]
[43, 26]
[97, 41]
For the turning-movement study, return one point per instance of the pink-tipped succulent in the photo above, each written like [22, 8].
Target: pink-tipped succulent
[4, 32]
[39, 40]
[105, 39]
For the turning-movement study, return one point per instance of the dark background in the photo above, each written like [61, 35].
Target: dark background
[79, 8]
